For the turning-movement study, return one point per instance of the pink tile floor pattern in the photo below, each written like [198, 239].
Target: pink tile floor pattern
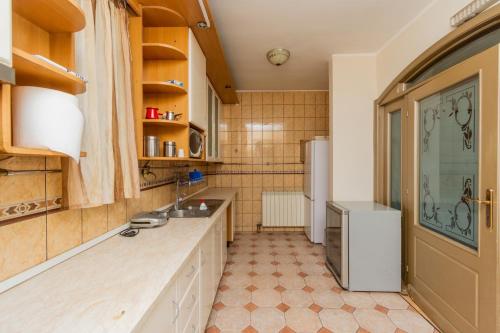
[278, 283]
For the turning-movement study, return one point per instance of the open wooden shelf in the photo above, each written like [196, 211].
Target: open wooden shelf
[158, 16]
[185, 159]
[162, 122]
[35, 72]
[162, 87]
[21, 151]
[52, 15]
[159, 51]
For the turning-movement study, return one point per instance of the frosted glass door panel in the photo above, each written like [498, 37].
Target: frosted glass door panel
[448, 170]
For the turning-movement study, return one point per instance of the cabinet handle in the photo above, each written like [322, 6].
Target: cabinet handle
[194, 328]
[193, 269]
[202, 258]
[177, 311]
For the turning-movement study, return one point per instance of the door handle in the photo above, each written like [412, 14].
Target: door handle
[489, 202]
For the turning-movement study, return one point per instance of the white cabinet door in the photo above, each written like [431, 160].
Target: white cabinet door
[218, 250]
[214, 110]
[207, 276]
[224, 239]
[198, 111]
[164, 316]
[6, 35]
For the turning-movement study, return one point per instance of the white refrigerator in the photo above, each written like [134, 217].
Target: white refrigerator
[315, 189]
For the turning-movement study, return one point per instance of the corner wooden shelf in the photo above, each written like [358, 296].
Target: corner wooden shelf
[36, 72]
[162, 122]
[159, 51]
[162, 87]
[51, 15]
[159, 16]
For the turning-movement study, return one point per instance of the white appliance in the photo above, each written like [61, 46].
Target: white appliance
[363, 245]
[315, 188]
[195, 143]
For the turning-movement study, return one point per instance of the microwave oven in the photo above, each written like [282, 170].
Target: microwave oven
[195, 143]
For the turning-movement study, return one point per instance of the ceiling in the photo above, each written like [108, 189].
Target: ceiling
[311, 29]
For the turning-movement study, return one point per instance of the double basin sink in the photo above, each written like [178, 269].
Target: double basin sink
[191, 208]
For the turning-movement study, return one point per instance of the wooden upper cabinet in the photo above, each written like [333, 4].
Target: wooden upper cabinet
[198, 112]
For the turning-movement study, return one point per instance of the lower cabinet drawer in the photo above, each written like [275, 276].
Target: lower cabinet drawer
[188, 272]
[193, 326]
[189, 303]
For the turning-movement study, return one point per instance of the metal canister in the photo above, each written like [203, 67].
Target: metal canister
[151, 146]
[169, 148]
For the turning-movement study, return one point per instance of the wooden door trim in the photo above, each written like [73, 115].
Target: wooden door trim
[470, 30]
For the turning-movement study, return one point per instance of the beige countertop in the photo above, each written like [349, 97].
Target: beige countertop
[109, 287]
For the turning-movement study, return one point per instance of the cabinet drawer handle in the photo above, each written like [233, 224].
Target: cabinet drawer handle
[177, 311]
[193, 269]
[194, 328]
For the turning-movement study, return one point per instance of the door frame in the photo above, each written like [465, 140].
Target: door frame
[384, 180]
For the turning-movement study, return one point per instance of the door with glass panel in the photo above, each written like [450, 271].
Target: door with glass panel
[452, 138]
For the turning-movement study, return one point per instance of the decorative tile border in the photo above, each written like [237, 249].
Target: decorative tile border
[29, 208]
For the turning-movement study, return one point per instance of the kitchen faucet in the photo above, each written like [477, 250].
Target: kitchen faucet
[178, 195]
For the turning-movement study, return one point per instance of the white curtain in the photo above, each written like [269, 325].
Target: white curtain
[102, 56]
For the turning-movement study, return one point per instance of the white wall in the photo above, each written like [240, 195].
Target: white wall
[6, 33]
[423, 31]
[356, 81]
[352, 92]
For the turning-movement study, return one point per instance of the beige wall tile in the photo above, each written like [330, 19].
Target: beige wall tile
[146, 200]
[298, 97]
[22, 245]
[54, 185]
[267, 140]
[133, 207]
[256, 98]
[117, 214]
[22, 188]
[161, 196]
[64, 231]
[94, 222]
[267, 98]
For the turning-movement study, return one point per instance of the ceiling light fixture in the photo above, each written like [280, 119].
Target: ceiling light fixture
[278, 56]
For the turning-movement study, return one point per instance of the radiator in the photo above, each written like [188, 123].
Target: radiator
[282, 209]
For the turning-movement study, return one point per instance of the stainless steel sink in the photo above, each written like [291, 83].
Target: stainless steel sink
[191, 208]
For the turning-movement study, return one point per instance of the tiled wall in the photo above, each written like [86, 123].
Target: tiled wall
[34, 229]
[260, 145]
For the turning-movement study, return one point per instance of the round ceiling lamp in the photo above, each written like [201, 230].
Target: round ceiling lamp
[278, 56]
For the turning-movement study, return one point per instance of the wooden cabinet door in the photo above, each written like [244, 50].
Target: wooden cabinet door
[207, 291]
[164, 315]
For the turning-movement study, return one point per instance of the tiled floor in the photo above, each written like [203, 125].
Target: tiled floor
[279, 283]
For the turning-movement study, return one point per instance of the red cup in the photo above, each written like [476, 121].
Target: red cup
[152, 113]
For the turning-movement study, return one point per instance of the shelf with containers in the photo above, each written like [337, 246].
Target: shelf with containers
[160, 39]
[41, 29]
